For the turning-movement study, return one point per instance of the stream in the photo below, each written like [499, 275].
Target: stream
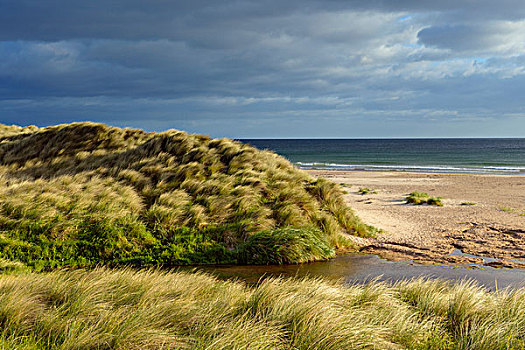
[358, 268]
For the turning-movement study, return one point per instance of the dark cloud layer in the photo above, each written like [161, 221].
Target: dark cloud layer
[242, 68]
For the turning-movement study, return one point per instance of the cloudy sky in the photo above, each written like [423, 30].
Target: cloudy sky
[268, 68]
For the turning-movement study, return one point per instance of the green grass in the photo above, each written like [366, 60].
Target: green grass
[507, 209]
[419, 198]
[85, 194]
[435, 201]
[468, 203]
[126, 309]
[366, 190]
[285, 246]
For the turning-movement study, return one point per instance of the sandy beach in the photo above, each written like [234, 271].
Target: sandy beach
[482, 221]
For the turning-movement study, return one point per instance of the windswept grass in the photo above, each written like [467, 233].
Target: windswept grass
[423, 198]
[85, 194]
[285, 246]
[126, 309]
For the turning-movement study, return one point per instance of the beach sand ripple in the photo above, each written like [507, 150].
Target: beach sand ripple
[481, 223]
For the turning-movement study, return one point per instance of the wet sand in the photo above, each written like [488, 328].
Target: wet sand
[491, 232]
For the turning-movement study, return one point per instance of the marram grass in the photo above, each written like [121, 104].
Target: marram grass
[423, 198]
[85, 194]
[127, 309]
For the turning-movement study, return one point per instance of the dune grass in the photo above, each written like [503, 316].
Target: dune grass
[126, 309]
[366, 190]
[285, 246]
[85, 194]
[419, 198]
[506, 209]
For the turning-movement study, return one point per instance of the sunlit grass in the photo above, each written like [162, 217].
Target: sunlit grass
[506, 209]
[84, 194]
[126, 309]
[366, 190]
[419, 198]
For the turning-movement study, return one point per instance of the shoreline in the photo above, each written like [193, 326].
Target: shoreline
[482, 222]
[439, 170]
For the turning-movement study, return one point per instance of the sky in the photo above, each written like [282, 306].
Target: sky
[268, 68]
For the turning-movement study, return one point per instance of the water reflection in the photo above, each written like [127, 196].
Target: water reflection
[355, 268]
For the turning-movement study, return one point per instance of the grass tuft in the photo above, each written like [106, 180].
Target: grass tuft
[506, 209]
[419, 198]
[366, 190]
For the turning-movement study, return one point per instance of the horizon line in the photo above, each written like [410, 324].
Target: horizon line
[384, 138]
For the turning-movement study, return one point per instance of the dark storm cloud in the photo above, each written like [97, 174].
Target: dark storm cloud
[475, 37]
[191, 64]
[178, 20]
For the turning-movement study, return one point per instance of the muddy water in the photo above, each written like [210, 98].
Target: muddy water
[357, 268]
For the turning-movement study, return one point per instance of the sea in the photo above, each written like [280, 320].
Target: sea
[451, 155]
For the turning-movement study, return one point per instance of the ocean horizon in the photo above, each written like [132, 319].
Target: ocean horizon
[433, 155]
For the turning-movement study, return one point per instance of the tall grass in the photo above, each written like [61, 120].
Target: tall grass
[285, 246]
[126, 309]
[83, 194]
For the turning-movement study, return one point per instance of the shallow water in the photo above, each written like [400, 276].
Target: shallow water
[357, 268]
